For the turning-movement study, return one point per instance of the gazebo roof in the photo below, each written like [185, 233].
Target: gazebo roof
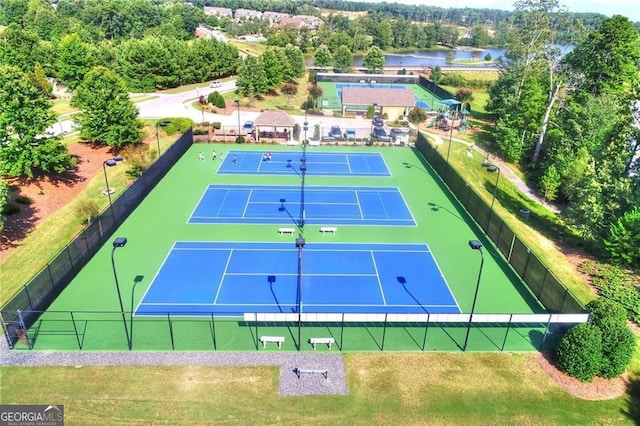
[275, 119]
[382, 97]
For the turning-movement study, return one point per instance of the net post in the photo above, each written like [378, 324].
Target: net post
[504, 342]
[213, 332]
[75, 329]
[255, 341]
[342, 333]
[173, 347]
[426, 329]
[384, 331]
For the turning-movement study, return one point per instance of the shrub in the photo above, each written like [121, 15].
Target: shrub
[606, 313]
[624, 238]
[618, 342]
[216, 125]
[417, 115]
[87, 209]
[615, 284]
[216, 99]
[579, 353]
[177, 125]
[23, 199]
[296, 131]
[240, 139]
[618, 345]
[10, 208]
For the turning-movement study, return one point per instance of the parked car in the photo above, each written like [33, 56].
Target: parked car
[378, 121]
[335, 132]
[399, 136]
[350, 134]
[380, 133]
[248, 126]
[215, 84]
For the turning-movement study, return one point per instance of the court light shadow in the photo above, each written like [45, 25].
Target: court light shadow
[136, 280]
[436, 208]
[284, 208]
[271, 279]
[402, 280]
[414, 167]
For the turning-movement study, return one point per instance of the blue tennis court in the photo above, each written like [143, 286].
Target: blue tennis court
[317, 163]
[323, 205]
[228, 278]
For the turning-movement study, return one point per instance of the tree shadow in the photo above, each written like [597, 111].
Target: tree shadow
[633, 408]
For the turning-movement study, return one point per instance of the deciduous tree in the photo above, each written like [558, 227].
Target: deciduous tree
[24, 117]
[108, 116]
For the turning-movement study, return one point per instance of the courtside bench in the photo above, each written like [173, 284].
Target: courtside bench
[326, 229]
[322, 341]
[300, 371]
[286, 231]
[272, 339]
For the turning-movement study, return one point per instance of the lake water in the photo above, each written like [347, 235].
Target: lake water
[431, 58]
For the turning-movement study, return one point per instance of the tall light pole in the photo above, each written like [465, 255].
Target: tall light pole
[475, 245]
[237, 102]
[492, 169]
[300, 245]
[111, 162]
[450, 137]
[163, 123]
[305, 127]
[120, 242]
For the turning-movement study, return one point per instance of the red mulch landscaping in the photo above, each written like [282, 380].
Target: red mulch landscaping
[49, 193]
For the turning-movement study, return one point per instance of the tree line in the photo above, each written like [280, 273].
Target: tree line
[571, 120]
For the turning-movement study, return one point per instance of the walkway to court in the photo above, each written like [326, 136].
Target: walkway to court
[504, 169]
[335, 383]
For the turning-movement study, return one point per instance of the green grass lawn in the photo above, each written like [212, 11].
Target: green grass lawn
[389, 388]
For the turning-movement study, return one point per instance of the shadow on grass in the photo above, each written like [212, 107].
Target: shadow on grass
[633, 409]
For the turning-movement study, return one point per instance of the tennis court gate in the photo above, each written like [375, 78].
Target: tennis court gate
[42, 289]
[490, 331]
[551, 292]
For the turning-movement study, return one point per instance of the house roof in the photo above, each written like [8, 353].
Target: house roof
[275, 119]
[382, 97]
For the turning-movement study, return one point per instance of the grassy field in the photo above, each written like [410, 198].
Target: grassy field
[383, 389]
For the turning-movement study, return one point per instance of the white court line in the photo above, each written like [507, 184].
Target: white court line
[154, 277]
[373, 259]
[446, 283]
[348, 164]
[246, 204]
[226, 266]
[359, 206]
[296, 250]
[198, 203]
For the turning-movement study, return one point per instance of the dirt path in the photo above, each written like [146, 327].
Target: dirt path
[439, 138]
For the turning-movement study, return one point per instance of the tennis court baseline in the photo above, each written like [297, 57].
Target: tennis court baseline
[229, 278]
[318, 163]
[323, 205]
